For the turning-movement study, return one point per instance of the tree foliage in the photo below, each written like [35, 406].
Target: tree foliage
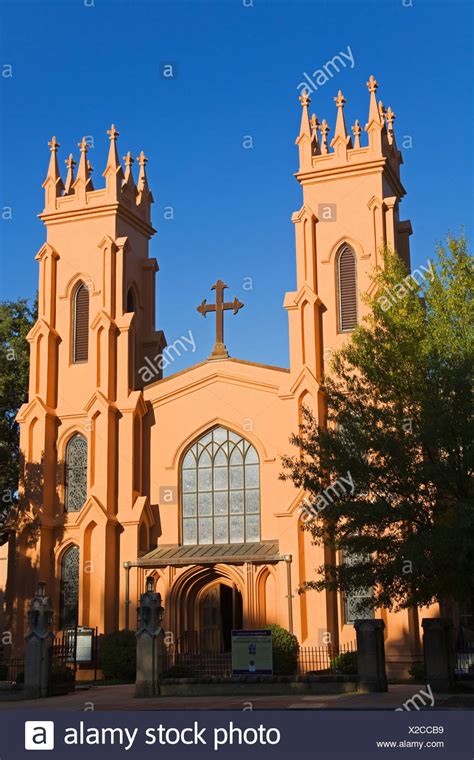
[400, 424]
[16, 320]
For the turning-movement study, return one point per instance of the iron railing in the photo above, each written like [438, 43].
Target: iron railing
[12, 669]
[465, 653]
[323, 660]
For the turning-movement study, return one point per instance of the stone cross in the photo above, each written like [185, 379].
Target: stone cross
[219, 351]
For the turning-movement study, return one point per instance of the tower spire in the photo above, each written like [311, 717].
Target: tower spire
[356, 130]
[144, 197]
[129, 186]
[375, 124]
[340, 129]
[53, 184]
[341, 140]
[83, 168]
[303, 140]
[70, 163]
[324, 129]
[113, 172]
[390, 118]
[316, 149]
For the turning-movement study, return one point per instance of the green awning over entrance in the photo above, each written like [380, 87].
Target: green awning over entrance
[210, 554]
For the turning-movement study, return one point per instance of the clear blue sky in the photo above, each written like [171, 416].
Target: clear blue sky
[77, 69]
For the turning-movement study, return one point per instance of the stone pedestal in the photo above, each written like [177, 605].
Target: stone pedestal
[371, 655]
[38, 645]
[149, 645]
[438, 646]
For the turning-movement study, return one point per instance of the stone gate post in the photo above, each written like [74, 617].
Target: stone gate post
[438, 647]
[38, 645]
[149, 643]
[371, 655]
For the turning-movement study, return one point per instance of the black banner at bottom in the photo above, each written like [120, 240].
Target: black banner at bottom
[329, 735]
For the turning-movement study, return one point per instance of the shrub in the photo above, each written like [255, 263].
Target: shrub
[118, 656]
[417, 672]
[345, 663]
[62, 674]
[285, 651]
[179, 671]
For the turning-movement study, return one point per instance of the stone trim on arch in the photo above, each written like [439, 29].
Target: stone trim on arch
[349, 241]
[75, 280]
[256, 442]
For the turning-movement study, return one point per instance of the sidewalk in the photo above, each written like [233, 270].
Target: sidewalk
[121, 698]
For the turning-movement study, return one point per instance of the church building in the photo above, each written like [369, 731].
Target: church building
[128, 473]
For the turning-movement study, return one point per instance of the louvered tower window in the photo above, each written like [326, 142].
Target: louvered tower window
[80, 316]
[347, 289]
[76, 473]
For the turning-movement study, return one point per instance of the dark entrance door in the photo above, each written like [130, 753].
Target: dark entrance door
[221, 611]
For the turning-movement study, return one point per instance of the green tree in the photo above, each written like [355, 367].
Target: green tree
[400, 428]
[16, 320]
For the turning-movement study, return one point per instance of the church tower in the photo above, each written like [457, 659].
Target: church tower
[350, 213]
[351, 197]
[96, 323]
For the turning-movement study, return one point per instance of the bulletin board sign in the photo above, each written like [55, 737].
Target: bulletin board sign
[252, 653]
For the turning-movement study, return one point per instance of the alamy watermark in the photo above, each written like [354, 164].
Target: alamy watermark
[153, 368]
[401, 289]
[327, 71]
[338, 488]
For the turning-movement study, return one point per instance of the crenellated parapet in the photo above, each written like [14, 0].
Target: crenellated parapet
[78, 194]
[322, 153]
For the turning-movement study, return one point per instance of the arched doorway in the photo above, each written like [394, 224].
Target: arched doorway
[205, 604]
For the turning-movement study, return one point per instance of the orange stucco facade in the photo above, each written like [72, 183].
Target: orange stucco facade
[138, 432]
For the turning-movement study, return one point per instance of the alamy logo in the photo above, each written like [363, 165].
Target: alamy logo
[39, 734]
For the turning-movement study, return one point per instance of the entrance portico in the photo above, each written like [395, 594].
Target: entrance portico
[208, 590]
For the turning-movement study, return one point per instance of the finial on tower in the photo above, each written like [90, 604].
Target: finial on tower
[113, 133]
[53, 144]
[372, 84]
[304, 99]
[340, 100]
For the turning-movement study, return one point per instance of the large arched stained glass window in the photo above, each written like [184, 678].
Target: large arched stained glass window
[69, 587]
[76, 473]
[220, 490]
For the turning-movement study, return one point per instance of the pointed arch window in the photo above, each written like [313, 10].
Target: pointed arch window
[357, 603]
[69, 592]
[130, 300]
[346, 289]
[80, 324]
[220, 485]
[76, 473]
